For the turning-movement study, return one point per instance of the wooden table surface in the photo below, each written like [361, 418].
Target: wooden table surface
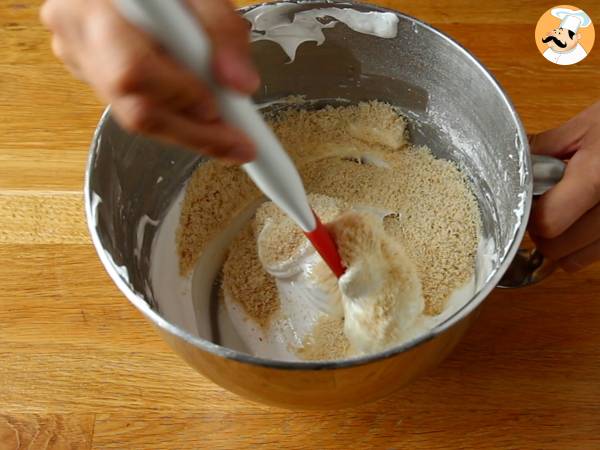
[81, 368]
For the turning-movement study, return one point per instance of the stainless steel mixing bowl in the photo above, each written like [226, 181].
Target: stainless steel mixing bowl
[455, 106]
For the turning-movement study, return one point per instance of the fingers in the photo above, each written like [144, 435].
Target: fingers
[566, 220]
[149, 92]
[54, 16]
[563, 141]
[583, 233]
[215, 139]
[63, 20]
[127, 62]
[582, 258]
[118, 59]
[577, 192]
[228, 31]
[559, 142]
[177, 89]
[62, 53]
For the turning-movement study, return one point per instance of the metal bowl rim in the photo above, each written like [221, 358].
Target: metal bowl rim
[138, 301]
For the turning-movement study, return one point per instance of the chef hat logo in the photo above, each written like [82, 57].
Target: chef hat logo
[572, 19]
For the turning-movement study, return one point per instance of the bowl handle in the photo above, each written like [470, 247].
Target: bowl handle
[529, 266]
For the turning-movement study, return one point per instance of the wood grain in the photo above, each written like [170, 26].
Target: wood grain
[80, 368]
[38, 217]
[50, 431]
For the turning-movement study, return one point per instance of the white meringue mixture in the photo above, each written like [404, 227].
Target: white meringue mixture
[185, 300]
[233, 269]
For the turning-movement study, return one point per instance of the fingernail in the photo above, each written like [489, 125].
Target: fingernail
[237, 71]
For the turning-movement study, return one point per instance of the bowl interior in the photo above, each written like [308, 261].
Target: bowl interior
[454, 106]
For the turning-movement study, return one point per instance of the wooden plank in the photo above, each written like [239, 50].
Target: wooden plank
[52, 271]
[28, 217]
[390, 427]
[61, 294]
[46, 431]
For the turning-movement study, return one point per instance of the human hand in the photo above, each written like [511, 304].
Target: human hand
[149, 92]
[566, 220]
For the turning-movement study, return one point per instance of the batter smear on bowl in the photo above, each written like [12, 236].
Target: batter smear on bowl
[406, 224]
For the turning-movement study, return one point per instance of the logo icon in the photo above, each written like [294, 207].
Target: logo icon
[564, 35]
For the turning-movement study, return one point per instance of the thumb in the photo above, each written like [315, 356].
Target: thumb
[229, 33]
